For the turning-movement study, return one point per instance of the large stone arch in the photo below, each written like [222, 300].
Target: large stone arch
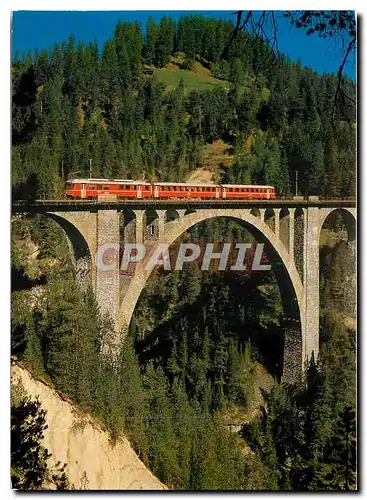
[82, 250]
[173, 230]
[347, 291]
[79, 244]
[349, 216]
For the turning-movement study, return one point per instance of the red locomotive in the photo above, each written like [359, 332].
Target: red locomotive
[123, 188]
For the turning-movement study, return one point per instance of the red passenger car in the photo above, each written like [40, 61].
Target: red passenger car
[122, 188]
[185, 190]
[242, 192]
[127, 188]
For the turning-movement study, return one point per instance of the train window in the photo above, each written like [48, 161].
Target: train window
[106, 186]
[91, 186]
[99, 186]
[198, 188]
[134, 187]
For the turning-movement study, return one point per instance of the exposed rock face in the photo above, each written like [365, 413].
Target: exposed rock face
[93, 462]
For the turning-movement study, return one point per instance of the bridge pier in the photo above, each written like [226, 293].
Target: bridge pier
[311, 283]
[161, 222]
[277, 222]
[292, 356]
[107, 273]
[291, 232]
[139, 237]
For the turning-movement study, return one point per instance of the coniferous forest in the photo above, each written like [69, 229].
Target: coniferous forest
[204, 350]
[73, 103]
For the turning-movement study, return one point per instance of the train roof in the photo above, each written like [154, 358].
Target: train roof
[108, 181]
[184, 184]
[247, 186]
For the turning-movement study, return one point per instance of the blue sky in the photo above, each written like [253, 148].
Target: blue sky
[41, 29]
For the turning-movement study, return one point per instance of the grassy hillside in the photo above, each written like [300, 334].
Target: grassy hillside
[199, 78]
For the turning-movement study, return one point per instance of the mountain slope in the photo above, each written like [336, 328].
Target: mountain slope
[93, 462]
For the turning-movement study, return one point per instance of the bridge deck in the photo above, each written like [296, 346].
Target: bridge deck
[92, 205]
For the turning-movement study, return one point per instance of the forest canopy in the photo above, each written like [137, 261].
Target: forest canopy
[74, 103]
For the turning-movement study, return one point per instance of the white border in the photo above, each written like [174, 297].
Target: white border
[5, 8]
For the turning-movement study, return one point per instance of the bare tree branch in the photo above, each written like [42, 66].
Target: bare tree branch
[340, 72]
[337, 25]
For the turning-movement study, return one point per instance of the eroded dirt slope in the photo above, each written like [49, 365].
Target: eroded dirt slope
[78, 440]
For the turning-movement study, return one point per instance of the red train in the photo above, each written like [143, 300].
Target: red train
[122, 188]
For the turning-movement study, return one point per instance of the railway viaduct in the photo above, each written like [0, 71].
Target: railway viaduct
[290, 230]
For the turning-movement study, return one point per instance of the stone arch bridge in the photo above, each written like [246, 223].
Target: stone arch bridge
[289, 228]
